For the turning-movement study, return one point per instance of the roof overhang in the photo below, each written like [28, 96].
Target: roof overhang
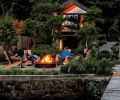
[74, 7]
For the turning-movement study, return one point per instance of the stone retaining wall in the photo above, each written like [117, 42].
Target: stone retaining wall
[44, 87]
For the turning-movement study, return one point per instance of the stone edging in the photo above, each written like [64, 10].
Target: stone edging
[50, 77]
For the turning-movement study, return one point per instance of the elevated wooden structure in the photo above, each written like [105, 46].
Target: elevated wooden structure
[75, 13]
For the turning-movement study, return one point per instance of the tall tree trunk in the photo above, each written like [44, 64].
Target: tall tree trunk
[5, 48]
[34, 42]
[86, 44]
[53, 37]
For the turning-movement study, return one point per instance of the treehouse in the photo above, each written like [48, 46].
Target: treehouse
[74, 13]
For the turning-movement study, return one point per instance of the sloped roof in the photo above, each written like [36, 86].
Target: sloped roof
[72, 6]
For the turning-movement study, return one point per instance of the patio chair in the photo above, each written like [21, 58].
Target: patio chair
[30, 62]
[11, 64]
[61, 60]
[25, 60]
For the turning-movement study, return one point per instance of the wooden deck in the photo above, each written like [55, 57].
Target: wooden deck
[112, 91]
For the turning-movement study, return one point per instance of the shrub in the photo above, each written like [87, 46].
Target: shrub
[104, 67]
[29, 72]
[87, 66]
[94, 89]
[7, 72]
[41, 50]
[104, 54]
[73, 67]
[16, 71]
[64, 69]
[70, 68]
[2, 72]
[50, 72]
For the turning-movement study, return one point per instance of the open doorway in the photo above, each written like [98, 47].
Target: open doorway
[70, 42]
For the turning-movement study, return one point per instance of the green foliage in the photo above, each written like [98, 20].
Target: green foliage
[29, 27]
[19, 9]
[37, 29]
[89, 32]
[6, 72]
[50, 72]
[64, 69]
[55, 21]
[17, 71]
[104, 54]
[42, 23]
[81, 46]
[104, 67]
[114, 29]
[73, 67]
[91, 28]
[94, 51]
[42, 29]
[29, 72]
[87, 66]
[82, 67]
[2, 72]
[70, 68]
[45, 8]
[42, 50]
[94, 89]
[7, 31]
[94, 14]
[2, 57]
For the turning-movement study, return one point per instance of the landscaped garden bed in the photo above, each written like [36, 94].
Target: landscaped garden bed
[79, 80]
[52, 87]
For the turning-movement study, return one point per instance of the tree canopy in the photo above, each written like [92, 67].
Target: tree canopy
[103, 17]
[42, 21]
[7, 32]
